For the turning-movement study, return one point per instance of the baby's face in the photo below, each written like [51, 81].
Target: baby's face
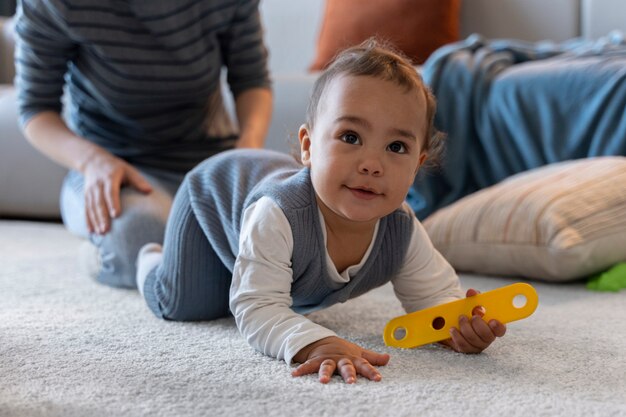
[365, 148]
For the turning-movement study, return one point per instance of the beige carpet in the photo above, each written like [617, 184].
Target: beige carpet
[71, 347]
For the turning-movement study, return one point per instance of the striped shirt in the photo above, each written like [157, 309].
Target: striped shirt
[142, 76]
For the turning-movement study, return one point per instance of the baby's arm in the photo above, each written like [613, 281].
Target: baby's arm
[427, 279]
[261, 303]
[260, 295]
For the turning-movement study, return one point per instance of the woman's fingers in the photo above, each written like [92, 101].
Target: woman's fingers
[112, 198]
[96, 208]
[92, 223]
[104, 178]
[137, 180]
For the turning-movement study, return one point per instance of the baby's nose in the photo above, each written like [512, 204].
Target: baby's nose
[371, 166]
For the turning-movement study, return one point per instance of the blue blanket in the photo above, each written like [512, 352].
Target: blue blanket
[508, 106]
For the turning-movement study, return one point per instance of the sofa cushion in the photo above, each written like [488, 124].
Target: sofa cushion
[554, 223]
[7, 45]
[30, 183]
[416, 27]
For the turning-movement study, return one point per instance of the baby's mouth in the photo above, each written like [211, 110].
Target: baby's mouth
[364, 193]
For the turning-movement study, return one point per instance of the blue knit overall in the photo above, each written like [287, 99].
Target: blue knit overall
[202, 238]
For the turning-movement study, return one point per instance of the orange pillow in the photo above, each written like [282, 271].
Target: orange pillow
[416, 27]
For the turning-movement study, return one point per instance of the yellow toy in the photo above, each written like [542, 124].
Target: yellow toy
[506, 304]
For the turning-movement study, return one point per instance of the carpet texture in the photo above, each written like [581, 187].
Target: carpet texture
[71, 347]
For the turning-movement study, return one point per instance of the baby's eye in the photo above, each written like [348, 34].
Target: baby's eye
[397, 147]
[350, 138]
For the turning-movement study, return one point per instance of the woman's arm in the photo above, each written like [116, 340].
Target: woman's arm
[104, 173]
[245, 56]
[43, 50]
[254, 110]
[49, 134]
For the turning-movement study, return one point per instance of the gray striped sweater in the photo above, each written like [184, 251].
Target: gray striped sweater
[141, 74]
[222, 187]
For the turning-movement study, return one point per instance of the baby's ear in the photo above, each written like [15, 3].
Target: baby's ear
[305, 145]
[422, 159]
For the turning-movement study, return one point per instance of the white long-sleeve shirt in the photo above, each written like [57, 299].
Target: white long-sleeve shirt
[260, 293]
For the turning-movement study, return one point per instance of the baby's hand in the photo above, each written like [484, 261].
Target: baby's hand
[474, 335]
[333, 354]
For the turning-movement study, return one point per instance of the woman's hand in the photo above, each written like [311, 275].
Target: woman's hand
[104, 176]
[335, 355]
[474, 334]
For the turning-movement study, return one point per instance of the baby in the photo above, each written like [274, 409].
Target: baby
[270, 239]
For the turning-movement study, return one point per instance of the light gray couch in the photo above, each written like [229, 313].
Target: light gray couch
[29, 183]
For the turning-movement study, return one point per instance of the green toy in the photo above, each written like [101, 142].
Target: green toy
[613, 279]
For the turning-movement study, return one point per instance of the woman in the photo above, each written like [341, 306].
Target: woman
[143, 106]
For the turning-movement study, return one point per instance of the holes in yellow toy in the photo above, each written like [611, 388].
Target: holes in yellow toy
[399, 333]
[438, 323]
[519, 301]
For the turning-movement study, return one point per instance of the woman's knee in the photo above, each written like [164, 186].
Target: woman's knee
[142, 221]
[72, 204]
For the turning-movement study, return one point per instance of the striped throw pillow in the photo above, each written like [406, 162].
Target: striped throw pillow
[554, 223]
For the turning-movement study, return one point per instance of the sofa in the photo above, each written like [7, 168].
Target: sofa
[291, 35]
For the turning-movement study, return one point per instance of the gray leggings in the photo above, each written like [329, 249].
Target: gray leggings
[191, 283]
[142, 221]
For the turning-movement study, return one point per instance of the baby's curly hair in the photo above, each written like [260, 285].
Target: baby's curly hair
[377, 58]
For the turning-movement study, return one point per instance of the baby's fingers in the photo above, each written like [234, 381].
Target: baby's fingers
[460, 344]
[478, 310]
[366, 369]
[498, 329]
[347, 370]
[471, 292]
[327, 369]
[475, 335]
[376, 359]
[466, 339]
[308, 367]
[483, 331]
